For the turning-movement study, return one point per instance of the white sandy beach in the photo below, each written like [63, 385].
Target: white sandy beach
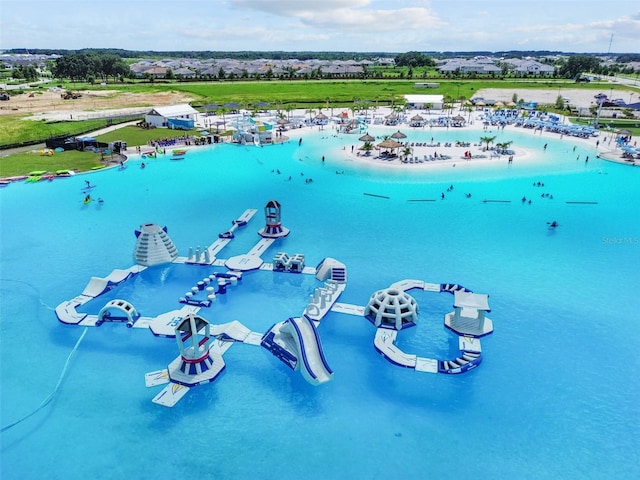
[479, 155]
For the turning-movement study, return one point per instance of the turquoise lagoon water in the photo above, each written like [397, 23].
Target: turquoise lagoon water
[555, 397]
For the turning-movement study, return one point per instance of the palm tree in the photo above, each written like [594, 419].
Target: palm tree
[503, 146]
[407, 151]
[428, 106]
[288, 109]
[222, 111]
[487, 140]
[367, 147]
[311, 111]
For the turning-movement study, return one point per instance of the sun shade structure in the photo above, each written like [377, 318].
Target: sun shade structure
[389, 143]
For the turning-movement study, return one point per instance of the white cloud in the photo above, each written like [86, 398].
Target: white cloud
[295, 8]
[341, 14]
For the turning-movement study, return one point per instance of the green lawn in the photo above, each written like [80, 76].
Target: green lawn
[133, 135]
[334, 93]
[14, 129]
[23, 163]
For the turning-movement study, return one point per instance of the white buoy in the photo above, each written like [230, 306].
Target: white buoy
[210, 290]
[188, 294]
[212, 297]
[212, 277]
[194, 289]
[206, 280]
[190, 252]
[234, 280]
[207, 258]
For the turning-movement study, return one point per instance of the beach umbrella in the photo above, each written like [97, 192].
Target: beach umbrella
[389, 143]
[321, 116]
[282, 121]
[398, 135]
[367, 138]
[417, 118]
[391, 116]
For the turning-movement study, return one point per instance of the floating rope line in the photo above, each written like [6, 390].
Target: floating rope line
[50, 397]
[30, 286]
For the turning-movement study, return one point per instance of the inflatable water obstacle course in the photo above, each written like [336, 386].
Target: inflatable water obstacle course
[295, 341]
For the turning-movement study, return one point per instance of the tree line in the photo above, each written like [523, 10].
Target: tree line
[90, 67]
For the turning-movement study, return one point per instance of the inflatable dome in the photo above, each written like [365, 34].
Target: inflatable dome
[392, 308]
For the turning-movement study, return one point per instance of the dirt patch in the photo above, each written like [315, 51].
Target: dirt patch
[49, 105]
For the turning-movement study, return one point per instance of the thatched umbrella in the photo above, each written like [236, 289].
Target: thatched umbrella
[282, 121]
[417, 118]
[389, 143]
[367, 138]
[398, 135]
[321, 116]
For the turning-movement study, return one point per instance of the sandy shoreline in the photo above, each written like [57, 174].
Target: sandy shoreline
[602, 146]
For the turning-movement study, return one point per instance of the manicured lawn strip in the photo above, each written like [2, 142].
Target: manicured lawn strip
[15, 130]
[23, 163]
[133, 135]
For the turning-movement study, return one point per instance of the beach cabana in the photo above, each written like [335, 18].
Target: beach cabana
[416, 121]
[389, 144]
[320, 119]
[458, 121]
[391, 119]
[398, 135]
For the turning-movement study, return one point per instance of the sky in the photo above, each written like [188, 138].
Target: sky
[393, 26]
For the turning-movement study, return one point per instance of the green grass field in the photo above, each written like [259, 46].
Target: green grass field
[23, 163]
[133, 135]
[14, 129]
[337, 93]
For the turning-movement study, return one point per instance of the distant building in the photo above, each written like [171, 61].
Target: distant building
[434, 102]
[174, 116]
[529, 67]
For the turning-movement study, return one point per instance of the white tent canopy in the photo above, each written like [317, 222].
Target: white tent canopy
[420, 101]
